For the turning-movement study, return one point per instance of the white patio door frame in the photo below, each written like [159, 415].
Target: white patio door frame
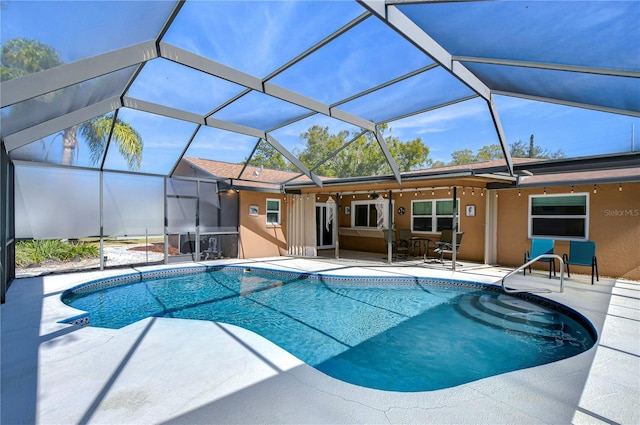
[321, 228]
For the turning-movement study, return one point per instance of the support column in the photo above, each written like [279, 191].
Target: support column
[390, 230]
[336, 219]
[454, 238]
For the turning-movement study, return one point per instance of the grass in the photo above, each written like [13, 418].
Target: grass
[36, 251]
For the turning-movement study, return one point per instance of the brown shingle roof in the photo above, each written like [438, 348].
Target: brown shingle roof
[251, 174]
[485, 164]
[259, 177]
[268, 178]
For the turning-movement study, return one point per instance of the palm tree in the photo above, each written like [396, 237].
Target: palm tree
[22, 56]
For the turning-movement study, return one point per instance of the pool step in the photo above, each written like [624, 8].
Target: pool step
[513, 314]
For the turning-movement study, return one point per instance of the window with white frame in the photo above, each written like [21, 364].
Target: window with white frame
[365, 214]
[273, 211]
[433, 215]
[559, 216]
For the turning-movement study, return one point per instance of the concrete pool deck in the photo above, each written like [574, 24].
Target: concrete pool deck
[185, 371]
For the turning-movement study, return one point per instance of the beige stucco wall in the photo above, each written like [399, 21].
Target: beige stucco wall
[472, 247]
[257, 239]
[614, 224]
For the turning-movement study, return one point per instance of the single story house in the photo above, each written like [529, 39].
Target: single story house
[499, 214]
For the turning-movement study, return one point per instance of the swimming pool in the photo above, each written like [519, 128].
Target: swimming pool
[398, 334]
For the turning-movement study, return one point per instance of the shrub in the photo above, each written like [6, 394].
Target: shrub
[35, 251]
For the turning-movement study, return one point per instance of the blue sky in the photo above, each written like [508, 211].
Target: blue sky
[258, 37]
[578, 132]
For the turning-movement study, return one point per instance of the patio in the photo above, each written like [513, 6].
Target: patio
[182, 371]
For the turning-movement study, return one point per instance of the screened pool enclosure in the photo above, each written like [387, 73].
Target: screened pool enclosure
[101, 101]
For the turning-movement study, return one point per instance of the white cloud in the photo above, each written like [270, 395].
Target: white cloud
[443, 119]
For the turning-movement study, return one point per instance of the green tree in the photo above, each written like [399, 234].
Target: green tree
[485, 153]
[411, 155]
[361, 157]
[464, 156]
[22, 56]
[267, 156]
[490, 152]
[320, 144]
[520, 149]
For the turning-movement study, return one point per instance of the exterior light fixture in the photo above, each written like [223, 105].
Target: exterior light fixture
[464, 191]
[449, 191]
[620, 188]
[544, 191]
[433, 192]
[482, 192]
[519, 193]
[473, 191]
[571, 189]
[595, 188]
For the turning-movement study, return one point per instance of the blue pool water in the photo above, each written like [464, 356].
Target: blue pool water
[414, 335]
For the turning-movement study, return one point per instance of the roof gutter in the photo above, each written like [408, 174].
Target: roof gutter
[576, 182]
[420, 176]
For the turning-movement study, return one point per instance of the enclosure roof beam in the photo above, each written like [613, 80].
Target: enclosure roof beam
[387, 155]
[154, 108]
[549, 66]
[219, 70]
[293, 159]
[404, 26]
[47, 128]
[569, 103]
[408, 29]
[495, 116]
[34, 85]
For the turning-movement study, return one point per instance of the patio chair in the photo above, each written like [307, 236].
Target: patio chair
[400, 247]
[582, 253]
[446, 247]
[540, 247]
[445, 237]
[404, 236]
[212, 251]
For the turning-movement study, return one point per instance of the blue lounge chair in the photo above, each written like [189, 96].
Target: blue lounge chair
[582, 253]
[539, 247]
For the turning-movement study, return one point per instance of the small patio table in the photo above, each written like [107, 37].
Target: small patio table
[421, 241]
